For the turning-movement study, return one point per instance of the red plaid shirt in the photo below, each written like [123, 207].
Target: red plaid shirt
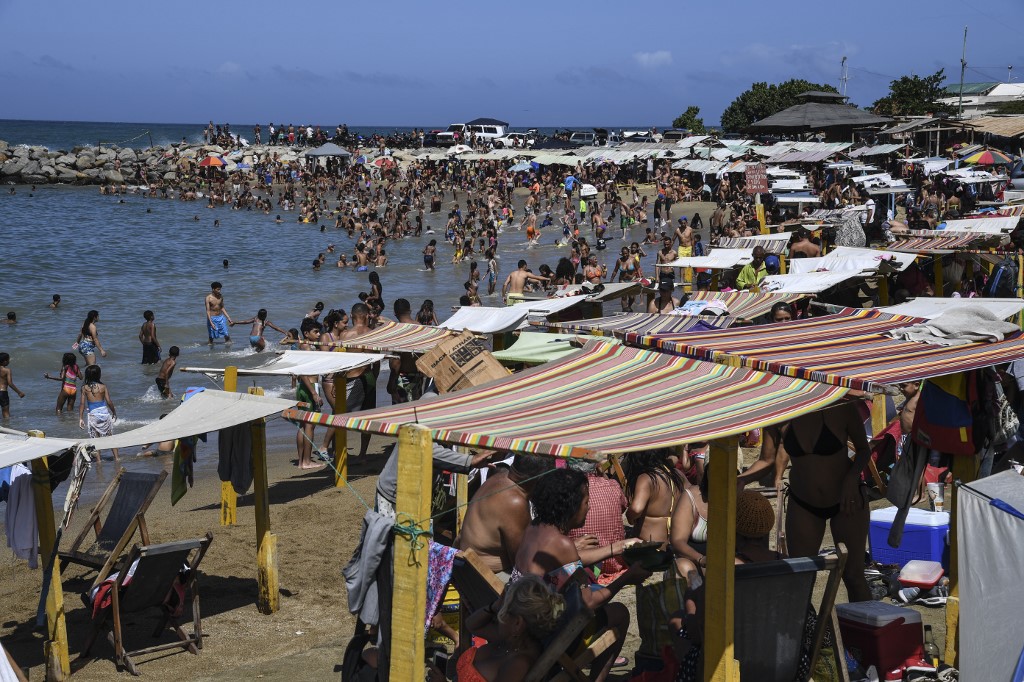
[604, 520]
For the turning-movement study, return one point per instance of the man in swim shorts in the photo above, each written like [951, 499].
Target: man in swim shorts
[512, 289]
[684, 237]
[217, 318]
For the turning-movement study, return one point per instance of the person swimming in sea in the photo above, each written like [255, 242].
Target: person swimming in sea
[259, 325]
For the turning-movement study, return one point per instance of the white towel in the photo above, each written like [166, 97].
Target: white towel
[958, 327]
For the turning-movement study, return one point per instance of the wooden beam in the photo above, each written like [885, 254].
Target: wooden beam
[228, 498]
[268, 600]
[340, 435]
[55, 648]
[937, 269]
[1020, 287]
[409, 600]
[461, 500]
[720, 576]
[883, 290]
[964, 471]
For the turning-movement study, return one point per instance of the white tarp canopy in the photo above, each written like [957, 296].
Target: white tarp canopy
[998, 225]
[608, 292]
[548, 306]
[806, 283]
[302, 363]
[15, 449]
[484, 320]
[933, 307]
[851, 259]
[990, 540]
[204, 412]
[719, 259]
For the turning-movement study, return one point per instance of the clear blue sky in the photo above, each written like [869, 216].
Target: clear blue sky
[410, 62]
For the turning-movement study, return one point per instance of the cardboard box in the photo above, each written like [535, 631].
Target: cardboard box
[460, 362]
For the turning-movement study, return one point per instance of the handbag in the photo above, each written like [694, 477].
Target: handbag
[656, 601]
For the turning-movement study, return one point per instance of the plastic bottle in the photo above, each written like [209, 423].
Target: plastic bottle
[931, 651]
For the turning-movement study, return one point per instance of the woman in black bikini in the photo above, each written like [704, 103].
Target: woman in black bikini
[825, 485]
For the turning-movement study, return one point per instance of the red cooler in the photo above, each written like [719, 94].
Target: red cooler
[883, 635]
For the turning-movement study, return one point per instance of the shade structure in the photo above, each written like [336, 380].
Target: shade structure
[328, 149]
[774, 244]
[535, 348]
[15, 449]
[203, 412]
[817, 116]
[644, 324]
[928, 308]
[852, 259]
[994, 225]
[747, 305]
[937, 244]
[848, 349]
[989, 157]
[302, 363]
[808, 282]
[485, 320]
[603, 399]
[718, 259]
[399, 337]
[213, 162]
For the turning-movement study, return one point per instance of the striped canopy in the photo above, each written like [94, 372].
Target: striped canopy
[849, 349]
[938, 244]
[400, 337]
[643, 323]
[606, 398]
[774, 244]
[747, 305]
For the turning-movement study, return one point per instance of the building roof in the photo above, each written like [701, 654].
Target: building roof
[817, 116]
[1001, 126]
[970, 88]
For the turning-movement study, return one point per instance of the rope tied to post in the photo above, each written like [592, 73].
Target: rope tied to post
[405, 525]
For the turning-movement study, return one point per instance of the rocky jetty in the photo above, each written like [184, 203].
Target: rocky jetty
[92, 165]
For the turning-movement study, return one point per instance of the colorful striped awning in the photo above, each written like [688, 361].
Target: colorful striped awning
[399, 337]
[850, 350]
[642, 323]
[747, 305]
[604, 399]
[938, 244]
[770, 246]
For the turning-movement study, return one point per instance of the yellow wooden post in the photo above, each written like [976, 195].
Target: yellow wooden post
[964, 470]
[878, 416]
[409, 598]
[782, 264]
[937, 267]
[719, 665]
[55, 649]
[461, 500]
[228, 498]
[498, 341]
[340, 435]
[883, 290]
[268, 600]
[1020, 287]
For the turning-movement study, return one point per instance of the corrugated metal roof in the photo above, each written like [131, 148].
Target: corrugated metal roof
[1003, 126]
[876, 150]
[970, 88]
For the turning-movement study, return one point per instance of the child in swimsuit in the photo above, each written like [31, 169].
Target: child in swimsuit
[69, 375]
[259, 324]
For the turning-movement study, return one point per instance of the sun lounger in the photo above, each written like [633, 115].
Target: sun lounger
[153, 576]
[132, 494]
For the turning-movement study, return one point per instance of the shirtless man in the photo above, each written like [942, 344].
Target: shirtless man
[405, 382]
[6, 383]
[217, 318]
[684, 236]
[664, 303]
[147, 337]
[512, 289]
[360, 383]
[499, 513]
[802, 246]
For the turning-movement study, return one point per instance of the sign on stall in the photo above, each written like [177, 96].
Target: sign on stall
[757, 179]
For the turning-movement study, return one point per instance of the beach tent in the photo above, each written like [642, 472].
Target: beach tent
[328, 149]
[990, 515]
[535, 348]
[819, 111]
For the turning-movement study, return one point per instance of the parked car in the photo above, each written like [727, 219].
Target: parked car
[430, 138]
[600, 137]
[514, 140]
[455, 134]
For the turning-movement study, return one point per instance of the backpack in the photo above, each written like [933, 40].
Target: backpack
[1002, 283]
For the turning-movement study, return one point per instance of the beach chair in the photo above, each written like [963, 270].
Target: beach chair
[769, 633]
[158, 571]
[132, 494]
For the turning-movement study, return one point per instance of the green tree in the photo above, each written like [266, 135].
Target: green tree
[1015, 107]
[763, 100]
[915, 96]
[690, 120]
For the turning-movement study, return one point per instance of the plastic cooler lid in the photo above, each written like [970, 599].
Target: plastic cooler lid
[876, 613]
[916, 517]
[918, 573]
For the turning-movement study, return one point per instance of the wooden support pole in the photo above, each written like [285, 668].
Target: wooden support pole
[782, 264]
[720, 576]
[878, 420]
[964, 470]
[340, 435]
[461, 500]
[937, 269]
[55, 649]
[269, 599]
[228, 498]
[1020, 287]
[883, 290]
[409, 597]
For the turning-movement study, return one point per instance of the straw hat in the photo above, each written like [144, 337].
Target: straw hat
[755, 517]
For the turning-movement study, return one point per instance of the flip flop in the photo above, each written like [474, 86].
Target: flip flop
[620, 662]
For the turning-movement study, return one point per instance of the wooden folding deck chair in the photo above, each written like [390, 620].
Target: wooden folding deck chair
[134, 493]
[152, 585]
[769, 633]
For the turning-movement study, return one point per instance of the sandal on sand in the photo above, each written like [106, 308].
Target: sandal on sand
[620, 662]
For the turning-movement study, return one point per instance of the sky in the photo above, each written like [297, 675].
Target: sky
[410, 62]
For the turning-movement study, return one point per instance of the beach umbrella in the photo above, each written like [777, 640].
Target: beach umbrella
[989, 157]
[588, 191]
[521, 166]
[213, 161]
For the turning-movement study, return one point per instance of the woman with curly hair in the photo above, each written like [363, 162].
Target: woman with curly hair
[653, 486]
[514, 627]
[560, 502]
